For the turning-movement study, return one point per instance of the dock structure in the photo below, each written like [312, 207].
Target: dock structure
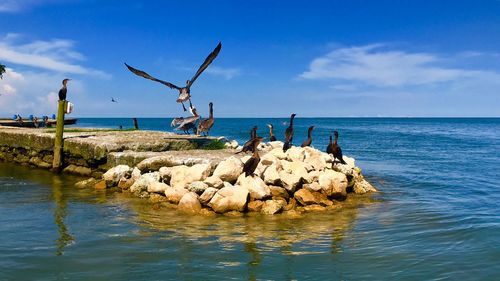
[90, 151]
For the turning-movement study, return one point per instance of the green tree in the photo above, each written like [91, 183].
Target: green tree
[2, 70]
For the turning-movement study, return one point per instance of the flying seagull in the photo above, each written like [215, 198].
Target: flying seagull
[113, 100]
[184, 92]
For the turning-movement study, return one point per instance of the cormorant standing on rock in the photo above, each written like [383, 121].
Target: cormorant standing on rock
[63, 90]
[334, 149]
[206, 124]
[252, 163]
[247, 146]
[309, 137]
[184, 92]
[289, 134]
[271, 134]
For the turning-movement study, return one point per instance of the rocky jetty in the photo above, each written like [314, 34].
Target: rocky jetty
[298, 180]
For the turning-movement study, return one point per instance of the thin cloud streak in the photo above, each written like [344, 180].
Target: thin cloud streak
[372, 65]
[56, 55]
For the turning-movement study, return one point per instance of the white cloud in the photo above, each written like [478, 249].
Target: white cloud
[227, 73]
[374, 65]
[55, 55]
[15, 6]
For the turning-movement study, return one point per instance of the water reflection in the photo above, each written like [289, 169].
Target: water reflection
[60, 213]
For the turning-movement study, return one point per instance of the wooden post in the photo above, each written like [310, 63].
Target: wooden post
[136, 125]
[58, 142]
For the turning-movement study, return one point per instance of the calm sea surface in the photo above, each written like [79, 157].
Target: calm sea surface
[437, 215]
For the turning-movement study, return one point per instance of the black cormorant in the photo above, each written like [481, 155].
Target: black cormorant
[252, 163]
[334, 149]
[64, 90]
[309, 137]
[289, 134]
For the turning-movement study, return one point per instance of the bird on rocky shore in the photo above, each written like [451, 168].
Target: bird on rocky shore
[334, 149]
[289, 134]
[247, 146]
[308, 141]
[188, 123]
[184, 92]
[207, 124]
[252, 163]
[64, 90]
[271, 134]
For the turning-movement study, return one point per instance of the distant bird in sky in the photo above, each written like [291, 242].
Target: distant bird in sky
[64, 90]
[184, 92]
[113, 100]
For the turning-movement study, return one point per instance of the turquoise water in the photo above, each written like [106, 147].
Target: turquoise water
[437, 215]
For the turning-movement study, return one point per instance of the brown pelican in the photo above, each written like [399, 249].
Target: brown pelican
[63, 90]
[252, 163]
[334, 149]
[271, 134]
[249, 144]
[206, 124]
[184, 92]
[188, 123]
[309, 137]
[289, 134]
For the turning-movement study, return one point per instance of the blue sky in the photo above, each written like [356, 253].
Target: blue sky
[314, 58]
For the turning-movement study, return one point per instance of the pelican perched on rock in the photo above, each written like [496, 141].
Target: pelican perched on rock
[289, 134]
[206, 124]
[64, 90]
[334, 149]
[184, 92]
[252, 163]
[308, 141]
[271, 133]
[249, 144]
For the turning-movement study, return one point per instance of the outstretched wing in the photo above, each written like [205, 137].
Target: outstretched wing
[147, 76]
[206, 63]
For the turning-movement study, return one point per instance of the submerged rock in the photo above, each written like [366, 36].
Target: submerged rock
[271, 207]
[86, 183]
[144, 181]
[189, 203]
[113, 175]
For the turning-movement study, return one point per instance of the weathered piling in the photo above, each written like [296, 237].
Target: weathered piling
[58, 141]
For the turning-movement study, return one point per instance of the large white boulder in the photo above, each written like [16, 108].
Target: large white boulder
[183, 175]
[278, 153]
[290, 181]
[144, 181]
[271, 175]
[197, 187]
[229, 170]
[296, 153]
[229, 199]
[255, 185]
[113, 175]
[333, 183]
[165, 174]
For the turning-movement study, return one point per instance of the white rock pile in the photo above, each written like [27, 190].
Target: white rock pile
[301, 179]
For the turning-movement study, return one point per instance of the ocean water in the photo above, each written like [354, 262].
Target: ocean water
[437, 215]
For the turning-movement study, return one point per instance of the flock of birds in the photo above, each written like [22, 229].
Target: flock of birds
[197, 126]
[252, 144]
